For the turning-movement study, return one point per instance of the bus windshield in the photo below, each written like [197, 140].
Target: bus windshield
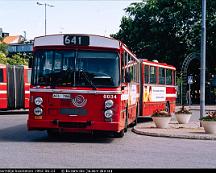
[76, 68]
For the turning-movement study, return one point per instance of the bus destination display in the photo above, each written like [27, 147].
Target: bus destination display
[76, 40]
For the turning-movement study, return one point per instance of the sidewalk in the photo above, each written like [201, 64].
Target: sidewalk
[197, 107]
[192, 130]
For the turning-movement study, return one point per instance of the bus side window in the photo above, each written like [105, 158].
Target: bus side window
[152, 74]
[137, 72]
[131, 72]
[168, 77]
[1, 75]
[174, 79]
[146, 73]
[124, 67]
[161, 75]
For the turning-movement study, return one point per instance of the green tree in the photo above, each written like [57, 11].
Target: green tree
[3, 58]
[167, 30]
[3, 48]
[17, 59]
[3, 53]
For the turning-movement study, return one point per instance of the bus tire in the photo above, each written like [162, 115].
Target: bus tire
[119, 134]
[52, 134]
[126, 121]
[136, 120]
[137, 114]
[167, 107]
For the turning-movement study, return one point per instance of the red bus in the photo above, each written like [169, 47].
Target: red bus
[158, 87]
[83, 83]
[14, 87]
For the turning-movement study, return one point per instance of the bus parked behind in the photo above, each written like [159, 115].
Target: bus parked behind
[158, 91]
[14, 87]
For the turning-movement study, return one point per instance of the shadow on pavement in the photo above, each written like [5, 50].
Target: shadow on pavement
[19, 133]
[144, 119]
[12, 112]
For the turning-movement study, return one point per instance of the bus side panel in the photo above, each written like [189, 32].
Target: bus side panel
[3, 95]
[3, 90]
[171, 98]
[27, 89]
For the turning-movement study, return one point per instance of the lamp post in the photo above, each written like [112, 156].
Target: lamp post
[203, 61]
[45, 5]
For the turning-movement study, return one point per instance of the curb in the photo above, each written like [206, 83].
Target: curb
[181, 133]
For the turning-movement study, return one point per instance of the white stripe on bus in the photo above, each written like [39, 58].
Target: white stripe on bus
[3, 92]
[75, 91]
[171, 95]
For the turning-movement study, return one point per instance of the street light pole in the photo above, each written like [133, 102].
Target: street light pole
[45, 5]
[45, 19]
[203, 61]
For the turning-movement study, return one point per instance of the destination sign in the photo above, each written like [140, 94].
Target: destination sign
[76, 40]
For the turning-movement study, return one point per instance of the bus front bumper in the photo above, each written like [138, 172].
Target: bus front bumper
[73, 126]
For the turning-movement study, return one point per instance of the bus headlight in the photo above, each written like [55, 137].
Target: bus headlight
[38, 111]
[38, 101]
[109, 103]
[108, 113]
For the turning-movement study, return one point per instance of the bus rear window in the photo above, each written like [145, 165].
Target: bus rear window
[1, 75]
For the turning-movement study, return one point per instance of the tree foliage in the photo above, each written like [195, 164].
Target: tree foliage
[167, 30]
[17, 59]
[3, 48]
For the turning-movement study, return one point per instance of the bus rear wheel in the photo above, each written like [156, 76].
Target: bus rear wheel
[167, 107]
[126, 121]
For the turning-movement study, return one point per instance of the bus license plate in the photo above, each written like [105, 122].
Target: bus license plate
[62, 96]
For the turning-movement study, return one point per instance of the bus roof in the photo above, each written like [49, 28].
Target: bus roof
[94, 40]
[154, 63]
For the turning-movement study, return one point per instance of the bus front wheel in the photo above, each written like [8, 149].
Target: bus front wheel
[119, 134]
[52, 134]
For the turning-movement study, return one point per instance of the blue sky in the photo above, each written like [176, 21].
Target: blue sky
[67, 16]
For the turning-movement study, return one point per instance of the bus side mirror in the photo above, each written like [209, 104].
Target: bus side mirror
[30, 62]
[127, 77]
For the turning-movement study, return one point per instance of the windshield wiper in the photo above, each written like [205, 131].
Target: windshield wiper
[87, 79]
